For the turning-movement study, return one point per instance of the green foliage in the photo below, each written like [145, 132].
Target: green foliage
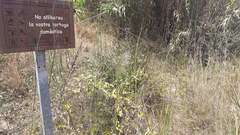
[114, 84]
[79, 4]
[204, 30]
[110, 95]
[113, 8]
[79, 7]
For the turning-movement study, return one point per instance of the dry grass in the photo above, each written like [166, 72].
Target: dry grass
[201, 100]
[204, 100]
[17, 71]
[180, 96]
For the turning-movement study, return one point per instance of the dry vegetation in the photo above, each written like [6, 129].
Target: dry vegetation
[175, 96]
[107, 86]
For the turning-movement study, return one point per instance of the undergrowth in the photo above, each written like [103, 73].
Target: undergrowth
[107, 86]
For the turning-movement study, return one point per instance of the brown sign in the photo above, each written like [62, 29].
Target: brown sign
[32, 25]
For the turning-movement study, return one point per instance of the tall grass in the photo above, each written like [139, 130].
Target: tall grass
[111, 86]
[175, 96]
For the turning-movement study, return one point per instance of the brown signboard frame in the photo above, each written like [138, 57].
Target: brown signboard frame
[36, 25]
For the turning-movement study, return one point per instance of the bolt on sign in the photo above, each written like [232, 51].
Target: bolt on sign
[35, 25]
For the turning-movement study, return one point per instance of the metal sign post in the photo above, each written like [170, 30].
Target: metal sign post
[43, 92]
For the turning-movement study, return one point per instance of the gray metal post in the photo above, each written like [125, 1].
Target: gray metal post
[43, 92]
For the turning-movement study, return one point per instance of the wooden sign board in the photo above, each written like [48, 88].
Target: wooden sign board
[35, 25]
